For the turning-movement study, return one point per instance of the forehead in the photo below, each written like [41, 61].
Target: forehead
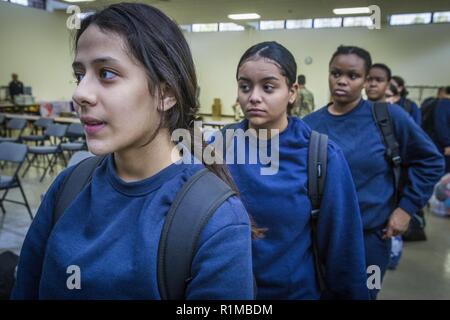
[259, 68]
[348, 62]
[378, 72]
[94, 42]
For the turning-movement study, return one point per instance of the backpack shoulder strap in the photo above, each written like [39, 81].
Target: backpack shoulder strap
[73, 184]
[383, 121]
[194, 204]
[317, 170]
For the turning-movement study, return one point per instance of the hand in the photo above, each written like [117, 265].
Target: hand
[447, 151]
[398, 223]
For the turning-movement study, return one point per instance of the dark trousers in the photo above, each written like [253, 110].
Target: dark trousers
[378, 253]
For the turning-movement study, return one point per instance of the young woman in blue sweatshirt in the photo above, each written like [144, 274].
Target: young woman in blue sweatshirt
[349, 122]
[414, 111]
[136, 85]
[442, 126]
[278, 202]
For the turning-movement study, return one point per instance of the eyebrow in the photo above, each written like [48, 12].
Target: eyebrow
[265, 79]
[100, 60]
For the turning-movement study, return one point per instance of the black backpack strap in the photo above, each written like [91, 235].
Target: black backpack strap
[383, 121]
[73, 183]
[194, 204]
[317, 170]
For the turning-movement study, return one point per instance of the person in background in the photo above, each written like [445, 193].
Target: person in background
[305, 99]
[441, 126]
[378, 82]
[283, 259]
[392, 94]
[349, 121]
[407, 104]
[15, 86]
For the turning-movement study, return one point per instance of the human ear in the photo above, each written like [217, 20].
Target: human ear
[293, 93]
[168, 98]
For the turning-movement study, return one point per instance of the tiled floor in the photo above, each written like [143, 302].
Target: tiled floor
[423, 272]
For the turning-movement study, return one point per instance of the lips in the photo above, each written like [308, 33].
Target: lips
[255, 112]
[339, 92]
[92, 125]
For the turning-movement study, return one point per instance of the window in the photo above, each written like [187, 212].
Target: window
[299, 24]
[328, 23]
[204, 27]
[440, 17]
[410, 18]
[186, 27]
[230, 26]
[21, 2]
[271, 24]
[357, 21]
[39, 4]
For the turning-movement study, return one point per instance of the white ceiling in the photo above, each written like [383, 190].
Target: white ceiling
[204, 11]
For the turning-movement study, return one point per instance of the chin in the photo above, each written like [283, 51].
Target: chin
[98, 148]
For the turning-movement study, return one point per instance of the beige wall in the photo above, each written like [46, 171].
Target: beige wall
[419, 53]
[35, 44]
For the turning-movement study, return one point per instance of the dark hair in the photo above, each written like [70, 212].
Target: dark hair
[399, 81]
[301, 79]
[277, 53]
[447, 90]
[360, 52]
[383, 67]
[157, 43]
[393, 89]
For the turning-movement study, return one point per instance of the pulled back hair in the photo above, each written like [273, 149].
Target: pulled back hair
[401, 82]
[277, 53]
[156, 42]
[360, 52]
[383, 67]
[393, 89]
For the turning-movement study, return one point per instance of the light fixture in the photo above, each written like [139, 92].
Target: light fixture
[244, 16]
[79, 0]
[357, 10]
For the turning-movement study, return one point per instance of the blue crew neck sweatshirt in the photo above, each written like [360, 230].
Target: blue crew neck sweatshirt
[361, 141]
[283, 259]
[111, 232]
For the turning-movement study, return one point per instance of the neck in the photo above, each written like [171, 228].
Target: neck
[342, 108]
[138, 163]
[382, 99]
[273, 128]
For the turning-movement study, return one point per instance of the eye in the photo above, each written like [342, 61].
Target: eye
[107, 75]
[78, 77]
[353, 76]
[335, 74]
[268, 88]
[244, 87]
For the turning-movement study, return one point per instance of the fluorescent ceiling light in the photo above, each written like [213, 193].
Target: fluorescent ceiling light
[358, 10]
[79, 0]
[244, 16]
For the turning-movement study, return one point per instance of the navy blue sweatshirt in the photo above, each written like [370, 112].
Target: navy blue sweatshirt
[360, 139]
[282, 259]
[112, 230]
[442, 127]
[415, 112]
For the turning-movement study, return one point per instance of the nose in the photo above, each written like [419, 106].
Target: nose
[255, 96]
[84, 95]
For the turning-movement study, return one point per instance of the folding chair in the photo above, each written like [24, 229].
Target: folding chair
[75, 135]
[56, 133]
[38, 126]
[14, 153]
[14, 124]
